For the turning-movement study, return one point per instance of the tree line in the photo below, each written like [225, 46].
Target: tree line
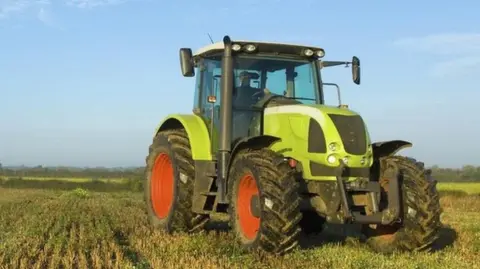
[466, 173]
[72, 172]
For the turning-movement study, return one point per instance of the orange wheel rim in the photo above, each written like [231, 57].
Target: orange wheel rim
[162, 185]
[249, 224]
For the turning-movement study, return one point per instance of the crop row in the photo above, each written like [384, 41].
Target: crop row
[81, 229]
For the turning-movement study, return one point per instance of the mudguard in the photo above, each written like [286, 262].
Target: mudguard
[197, 133]
[254, 142]
[387, 148]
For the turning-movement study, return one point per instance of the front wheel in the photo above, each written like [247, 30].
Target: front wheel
[421, 210]
[264, 202]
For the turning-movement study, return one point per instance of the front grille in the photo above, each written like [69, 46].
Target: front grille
[318, 169]
[316, 138]
[352, 131]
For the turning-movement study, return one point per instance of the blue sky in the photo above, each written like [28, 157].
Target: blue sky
[86, 82]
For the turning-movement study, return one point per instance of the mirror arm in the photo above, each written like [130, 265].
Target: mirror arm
[333, 63]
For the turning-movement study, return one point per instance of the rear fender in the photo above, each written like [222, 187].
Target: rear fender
[197, 133]
[387, 148]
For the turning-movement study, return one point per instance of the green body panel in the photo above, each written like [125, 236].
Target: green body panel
[213, 134]
[291, 124]
[197, 133]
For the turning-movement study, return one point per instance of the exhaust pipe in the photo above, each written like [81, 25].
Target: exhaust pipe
[224, 150]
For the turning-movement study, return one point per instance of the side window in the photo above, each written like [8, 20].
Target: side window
[210, 82]
[198, 88]
[205, 90]
[210, 85]
[216, 78]
[305, 84]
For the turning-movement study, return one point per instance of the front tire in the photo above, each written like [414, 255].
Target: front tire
[421, 210]
[170, 175]
[274, 225]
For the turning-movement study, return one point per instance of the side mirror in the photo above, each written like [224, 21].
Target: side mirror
[186, 62]
[356, 70]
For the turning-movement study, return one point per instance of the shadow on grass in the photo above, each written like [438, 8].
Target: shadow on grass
[331, 234]
[343, 234]
[96, 186]
[447, 236]
[218, 225]
[129, 252]
[351, 234]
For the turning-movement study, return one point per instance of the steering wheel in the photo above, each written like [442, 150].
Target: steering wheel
[258, 95]
[267, 98]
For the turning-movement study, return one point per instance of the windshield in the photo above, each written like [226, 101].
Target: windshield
[256, 76]
[279, 76]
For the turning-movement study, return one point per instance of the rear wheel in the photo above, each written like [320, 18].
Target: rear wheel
[170, 175]
[421, 210]
[264, 202]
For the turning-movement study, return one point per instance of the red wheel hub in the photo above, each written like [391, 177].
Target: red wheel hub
[162, 185]
[247, 189]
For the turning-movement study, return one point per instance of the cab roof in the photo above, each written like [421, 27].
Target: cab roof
[262, 45]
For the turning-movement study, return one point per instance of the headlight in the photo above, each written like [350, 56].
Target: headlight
[363, 161]
[331, 159]
[320, 53]
[308, 52]
[345, 159]
[250, 47]
[333, 146]
[236, 47]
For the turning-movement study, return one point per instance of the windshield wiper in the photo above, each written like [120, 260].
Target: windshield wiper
[301, 98]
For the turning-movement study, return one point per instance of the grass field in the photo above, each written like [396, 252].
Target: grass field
[467, 187]
[75, 179]
[78, 228]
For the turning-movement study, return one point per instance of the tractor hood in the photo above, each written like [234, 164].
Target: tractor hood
[320, 113]
[320, 127]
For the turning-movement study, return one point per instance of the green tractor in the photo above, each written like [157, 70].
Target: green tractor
[263, 148]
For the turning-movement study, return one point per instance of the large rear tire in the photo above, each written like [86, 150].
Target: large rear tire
[274, 226]
[421, 210]
[170, 175]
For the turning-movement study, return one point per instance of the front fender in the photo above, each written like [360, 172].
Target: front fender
[259, 141]
[254, 142]
[197, 133]
[387, 148]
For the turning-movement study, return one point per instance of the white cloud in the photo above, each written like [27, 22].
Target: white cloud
[44, 16]
[456, 66]
[11, 7]
[460, 52]
[94, 3]
[444, 44]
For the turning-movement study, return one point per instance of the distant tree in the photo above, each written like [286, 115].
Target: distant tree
[466, 173]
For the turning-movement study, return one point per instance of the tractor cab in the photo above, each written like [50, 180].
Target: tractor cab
[248, 76]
